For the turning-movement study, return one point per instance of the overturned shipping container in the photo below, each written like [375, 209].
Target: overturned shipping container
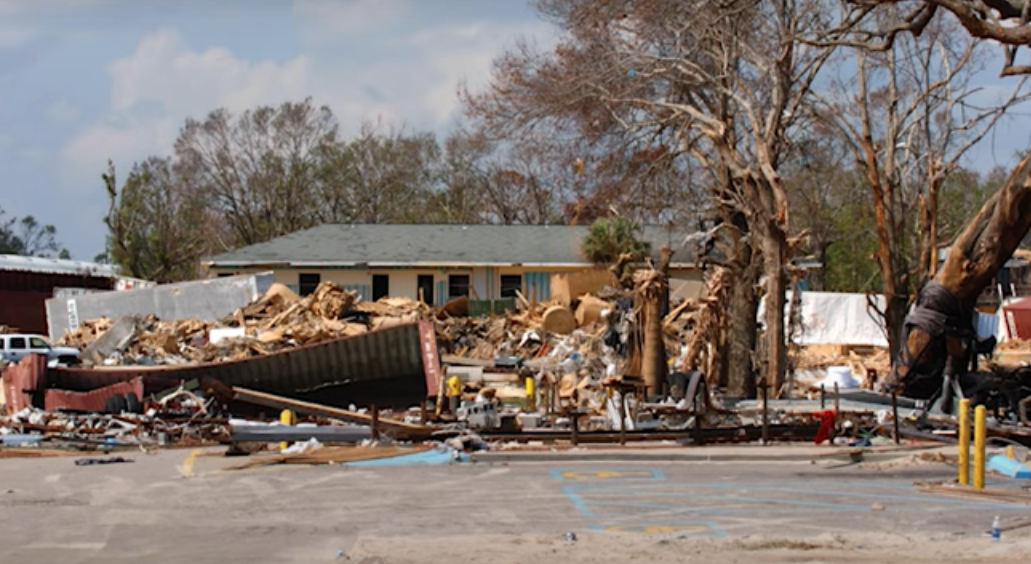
[393, 367]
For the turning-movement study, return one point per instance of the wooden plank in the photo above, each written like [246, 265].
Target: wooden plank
[463, 361]
[308, 408]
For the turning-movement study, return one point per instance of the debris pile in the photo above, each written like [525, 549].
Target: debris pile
[861, 360]
[277, 321]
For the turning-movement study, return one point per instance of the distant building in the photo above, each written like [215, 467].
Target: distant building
[27, 282]
[440, 262]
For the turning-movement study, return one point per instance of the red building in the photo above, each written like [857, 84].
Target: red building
[26, 283]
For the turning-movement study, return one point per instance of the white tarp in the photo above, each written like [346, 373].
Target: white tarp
[830, 318]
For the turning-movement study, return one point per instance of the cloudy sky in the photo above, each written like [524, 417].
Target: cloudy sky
[82, 81]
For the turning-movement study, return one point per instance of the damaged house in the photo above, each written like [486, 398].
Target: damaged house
[434, 263]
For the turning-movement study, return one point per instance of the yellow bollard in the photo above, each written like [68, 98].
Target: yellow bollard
[1010, 454]
[287, 417]
[979, 438]
[964, 442]
[531, 397]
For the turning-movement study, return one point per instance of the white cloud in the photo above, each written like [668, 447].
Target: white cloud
[455, 55]
[62, 111]
[165, 72]
[166, 81]
[122, 140]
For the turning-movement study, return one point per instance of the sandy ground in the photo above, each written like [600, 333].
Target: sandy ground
[605, 549]
[52, 511]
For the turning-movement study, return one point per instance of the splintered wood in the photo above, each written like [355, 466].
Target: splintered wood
[279, 320]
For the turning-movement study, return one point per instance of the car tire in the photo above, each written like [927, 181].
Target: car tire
[116, 404]
[132, 403]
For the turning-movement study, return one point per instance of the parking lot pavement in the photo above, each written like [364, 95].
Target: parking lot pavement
[54, 511]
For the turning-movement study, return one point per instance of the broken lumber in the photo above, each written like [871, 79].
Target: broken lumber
[399, 428]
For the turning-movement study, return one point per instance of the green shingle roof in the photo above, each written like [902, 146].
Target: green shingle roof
[386, 245]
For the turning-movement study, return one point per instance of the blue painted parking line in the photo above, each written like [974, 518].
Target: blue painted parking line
[620, 500]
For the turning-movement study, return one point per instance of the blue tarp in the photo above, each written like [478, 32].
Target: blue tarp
[427, 458]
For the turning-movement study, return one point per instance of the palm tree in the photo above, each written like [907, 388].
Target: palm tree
[608, 238]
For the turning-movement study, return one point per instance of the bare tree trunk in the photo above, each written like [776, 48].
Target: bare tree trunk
[979, 252]
[743, 304]
[652, 288]
[775, 249]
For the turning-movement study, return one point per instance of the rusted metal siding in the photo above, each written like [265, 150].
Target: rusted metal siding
[393, 354]
[430, 357]
[21, 381]
[91, 401]
[24, 296]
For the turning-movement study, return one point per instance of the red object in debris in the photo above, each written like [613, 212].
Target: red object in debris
[1018, 319]
[94, 400]
[430, 357]
[826, 425]
[21, 380]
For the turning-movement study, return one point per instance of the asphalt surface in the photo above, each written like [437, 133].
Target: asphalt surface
[52, 511]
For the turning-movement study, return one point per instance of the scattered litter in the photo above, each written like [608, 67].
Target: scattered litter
[97, 461]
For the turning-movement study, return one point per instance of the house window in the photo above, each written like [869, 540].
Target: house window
[510, 284]
[380, 286]
[307, 283]
[425, 284]
[457, 286]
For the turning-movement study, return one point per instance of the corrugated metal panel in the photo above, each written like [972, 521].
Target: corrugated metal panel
[21, 380]
[441, 293]
[57, 266]
[393, 354]
[430, 357]
[987, 325]
[538, 286]
[91, 401]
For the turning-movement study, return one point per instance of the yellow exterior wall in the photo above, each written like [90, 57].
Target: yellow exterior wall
[403, 282]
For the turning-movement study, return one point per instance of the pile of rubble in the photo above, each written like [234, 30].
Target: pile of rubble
[278, 321]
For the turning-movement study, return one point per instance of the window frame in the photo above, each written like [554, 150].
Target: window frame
[451, 285]
[301, 284]
[502, 288]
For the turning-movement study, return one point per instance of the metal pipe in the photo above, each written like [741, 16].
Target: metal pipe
[895, 417]
[622, 417]
[766, 414]
[979, 447]
[286, 417]
[964, 442]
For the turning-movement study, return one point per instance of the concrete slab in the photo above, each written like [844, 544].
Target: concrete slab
[56, 512]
